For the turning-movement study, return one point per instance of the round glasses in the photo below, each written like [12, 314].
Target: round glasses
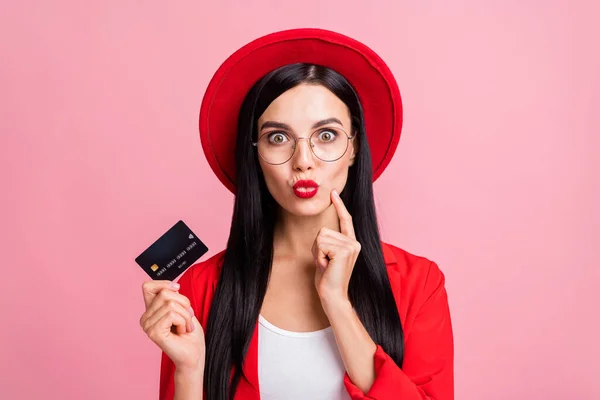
[327, 144]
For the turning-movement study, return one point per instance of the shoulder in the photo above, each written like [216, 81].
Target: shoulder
[415, 276]
[407, 264]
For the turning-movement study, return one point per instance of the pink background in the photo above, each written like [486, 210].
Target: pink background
[495, 178]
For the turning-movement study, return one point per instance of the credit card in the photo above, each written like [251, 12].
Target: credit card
[174, 252]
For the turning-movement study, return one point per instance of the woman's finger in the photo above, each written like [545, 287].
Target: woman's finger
[162, 327]
[150, 289]
[322, 247]
[165, 296]
[334, 235]
[150, 318]
[346, 225]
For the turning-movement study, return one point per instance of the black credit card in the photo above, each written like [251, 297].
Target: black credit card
[172, 253]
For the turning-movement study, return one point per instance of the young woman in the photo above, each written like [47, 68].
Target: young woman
[306, 301]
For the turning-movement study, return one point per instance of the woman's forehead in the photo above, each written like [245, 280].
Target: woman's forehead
[305, 105]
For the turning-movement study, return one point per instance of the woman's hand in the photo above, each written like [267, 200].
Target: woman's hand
[169, 321]
[335, 254]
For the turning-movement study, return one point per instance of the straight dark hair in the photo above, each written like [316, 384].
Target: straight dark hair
[247, 262]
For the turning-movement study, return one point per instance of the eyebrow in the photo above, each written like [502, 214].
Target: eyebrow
[281, 125]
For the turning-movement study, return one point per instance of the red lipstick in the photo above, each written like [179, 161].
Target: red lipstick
[305, 189]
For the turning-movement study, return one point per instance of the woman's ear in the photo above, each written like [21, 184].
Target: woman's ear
[354, 148]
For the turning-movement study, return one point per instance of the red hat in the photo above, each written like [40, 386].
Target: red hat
[362, 67]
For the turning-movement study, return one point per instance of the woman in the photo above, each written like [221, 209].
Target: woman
[306, 302]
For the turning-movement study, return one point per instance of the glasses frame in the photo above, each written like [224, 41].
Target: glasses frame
[311, 145]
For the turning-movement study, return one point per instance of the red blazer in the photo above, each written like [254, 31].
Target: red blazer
[418, 286]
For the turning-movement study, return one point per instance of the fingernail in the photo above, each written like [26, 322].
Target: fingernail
[191, 310]
[174, 285]
[335, 193]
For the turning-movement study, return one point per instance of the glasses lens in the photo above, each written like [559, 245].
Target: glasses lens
[276, 147]
[329, 144]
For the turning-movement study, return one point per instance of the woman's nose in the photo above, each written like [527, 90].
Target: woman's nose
[303, 156]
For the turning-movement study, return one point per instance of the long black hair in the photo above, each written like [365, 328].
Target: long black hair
[247, 262]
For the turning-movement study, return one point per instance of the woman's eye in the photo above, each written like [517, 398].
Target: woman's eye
[277, 138]
[326, 136]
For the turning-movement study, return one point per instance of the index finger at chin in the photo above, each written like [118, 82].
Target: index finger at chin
[349, 228]
[346, 226]
[340, 206]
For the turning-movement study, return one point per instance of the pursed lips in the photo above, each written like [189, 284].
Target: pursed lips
[305, 183]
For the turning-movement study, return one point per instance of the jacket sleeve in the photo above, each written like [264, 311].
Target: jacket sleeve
[427, 372]
[167, 367]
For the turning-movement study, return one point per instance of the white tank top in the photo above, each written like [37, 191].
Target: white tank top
[299, 365]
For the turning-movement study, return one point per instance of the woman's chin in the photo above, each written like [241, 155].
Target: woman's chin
[306, 207]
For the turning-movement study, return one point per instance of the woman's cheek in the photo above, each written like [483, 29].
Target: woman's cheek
[276, 186]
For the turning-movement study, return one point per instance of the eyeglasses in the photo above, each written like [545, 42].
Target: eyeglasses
[327, 144]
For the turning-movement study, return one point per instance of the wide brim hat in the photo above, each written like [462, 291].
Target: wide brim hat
[369, 75]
